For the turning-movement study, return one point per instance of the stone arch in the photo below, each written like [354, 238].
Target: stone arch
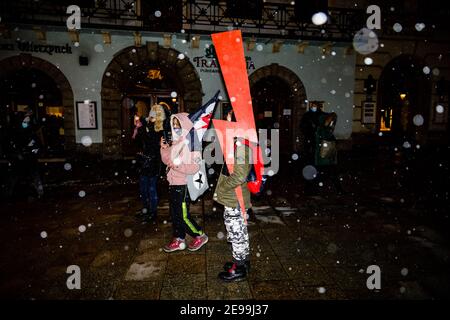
[23, 61]
[297, 102]
[115, 80]
[409, 68]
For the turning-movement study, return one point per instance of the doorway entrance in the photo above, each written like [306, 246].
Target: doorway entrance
[271, 102]
[34, 84]
[34, 92]
[278, 97]
[138, 105]
[403, 99]
[137, 78]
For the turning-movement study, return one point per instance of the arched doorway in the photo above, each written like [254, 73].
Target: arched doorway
[137, 78]
[279, 102]
[403, 94]
[30, 83]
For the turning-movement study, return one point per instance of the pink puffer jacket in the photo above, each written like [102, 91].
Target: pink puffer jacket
[178, 155]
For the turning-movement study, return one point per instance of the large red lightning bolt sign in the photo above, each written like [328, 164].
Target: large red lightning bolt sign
[230, 52]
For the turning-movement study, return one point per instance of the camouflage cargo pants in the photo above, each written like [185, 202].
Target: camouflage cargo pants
[237, 234]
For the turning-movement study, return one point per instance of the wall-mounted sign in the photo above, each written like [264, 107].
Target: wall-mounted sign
[86, 115]
[268, 114]
[208, 62]
[287, 112]
[37, 48]
[368, 113]
[154, 74]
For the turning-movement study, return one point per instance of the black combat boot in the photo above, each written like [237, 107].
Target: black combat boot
[228, 265]
[235, 273]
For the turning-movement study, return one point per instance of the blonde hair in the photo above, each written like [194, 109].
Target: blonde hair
[160, 116]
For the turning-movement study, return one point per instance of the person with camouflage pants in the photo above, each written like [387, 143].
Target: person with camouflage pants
[236, 225]
[237, 233]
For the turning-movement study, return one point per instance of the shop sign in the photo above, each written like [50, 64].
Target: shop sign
[209, 64]
[26, 46]
[154, 74]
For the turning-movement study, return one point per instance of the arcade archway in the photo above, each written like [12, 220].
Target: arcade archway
[137, 78]
[28, 82]
[403, 94]
[279, 103]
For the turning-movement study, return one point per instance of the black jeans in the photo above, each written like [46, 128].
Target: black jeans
[182, 221]
[148, 187]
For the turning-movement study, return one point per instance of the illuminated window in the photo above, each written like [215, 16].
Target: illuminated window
[54, 111]
[386, 120]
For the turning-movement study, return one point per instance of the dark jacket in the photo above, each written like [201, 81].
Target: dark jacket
[325, 149]
[308, 126]
[225, 190]
[149, 157]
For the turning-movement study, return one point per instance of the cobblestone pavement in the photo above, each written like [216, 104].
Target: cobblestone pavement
[302, 247]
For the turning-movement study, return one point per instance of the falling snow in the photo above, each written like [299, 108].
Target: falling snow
[98, 48]
[319, 18]
[368, 61]
[365, 41]
[420, 26]
[128, 233]
[86, 141]
[418, 120]
[397, 27]
[309, 172]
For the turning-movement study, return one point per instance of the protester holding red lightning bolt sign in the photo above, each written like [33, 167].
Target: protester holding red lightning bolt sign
[239, 143]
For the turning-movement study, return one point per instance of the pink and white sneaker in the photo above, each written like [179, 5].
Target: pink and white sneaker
[177, 244]
[198, 242]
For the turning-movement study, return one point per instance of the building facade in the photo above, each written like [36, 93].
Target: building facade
[86, 86]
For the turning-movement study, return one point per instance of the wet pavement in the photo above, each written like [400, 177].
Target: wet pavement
[302, 247]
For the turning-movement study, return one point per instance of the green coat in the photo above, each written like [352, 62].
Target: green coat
[225, 190]
[325, 152]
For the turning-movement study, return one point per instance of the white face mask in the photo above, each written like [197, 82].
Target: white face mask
[178, 131]
[313, 109]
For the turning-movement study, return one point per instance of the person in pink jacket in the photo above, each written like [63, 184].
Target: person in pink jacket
[181, 162]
